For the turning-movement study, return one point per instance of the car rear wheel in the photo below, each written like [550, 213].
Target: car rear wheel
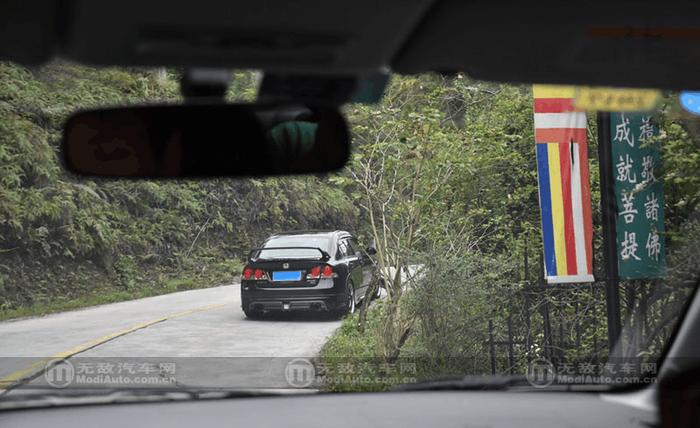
[349, 306]
[252, 314]
[351, 298]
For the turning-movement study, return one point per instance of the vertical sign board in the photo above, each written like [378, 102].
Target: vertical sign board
[564, 189]
[639, 196]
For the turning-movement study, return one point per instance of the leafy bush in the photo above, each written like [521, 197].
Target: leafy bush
[453, 304]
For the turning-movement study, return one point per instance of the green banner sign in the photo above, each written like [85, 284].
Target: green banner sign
[639, 195]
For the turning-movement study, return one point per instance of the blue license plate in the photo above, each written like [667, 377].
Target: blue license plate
[287, 275]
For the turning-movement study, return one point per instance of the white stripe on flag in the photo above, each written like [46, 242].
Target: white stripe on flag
[576, 119]
[577, 212]
[569, 278]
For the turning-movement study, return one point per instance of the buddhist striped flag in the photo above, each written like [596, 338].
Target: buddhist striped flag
[565, 198]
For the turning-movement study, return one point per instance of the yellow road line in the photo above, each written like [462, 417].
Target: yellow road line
[37, 366]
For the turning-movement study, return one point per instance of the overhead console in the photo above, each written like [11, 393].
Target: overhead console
[600, 42]
[306, 36]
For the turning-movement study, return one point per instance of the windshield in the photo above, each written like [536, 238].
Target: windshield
[507, 231]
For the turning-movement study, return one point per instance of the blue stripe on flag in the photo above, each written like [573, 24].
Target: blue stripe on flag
[546, 209]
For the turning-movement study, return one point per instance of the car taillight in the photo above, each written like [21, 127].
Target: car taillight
[323, 271]
[247, 273]
[314, 273]
[259, 274]
[327, 272]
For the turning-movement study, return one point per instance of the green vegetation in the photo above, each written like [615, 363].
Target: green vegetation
[444, 171]
[69, 242]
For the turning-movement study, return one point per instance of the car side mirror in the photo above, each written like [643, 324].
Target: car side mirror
[371, 251]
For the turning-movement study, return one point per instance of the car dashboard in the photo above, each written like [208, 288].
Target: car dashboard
[540, 409]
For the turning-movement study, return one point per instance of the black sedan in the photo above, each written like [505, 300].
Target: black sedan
[313, 271]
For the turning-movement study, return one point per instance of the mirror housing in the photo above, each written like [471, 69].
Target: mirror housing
[206, 140]
[371, 250]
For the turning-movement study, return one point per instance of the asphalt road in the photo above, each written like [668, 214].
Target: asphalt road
[193, 339]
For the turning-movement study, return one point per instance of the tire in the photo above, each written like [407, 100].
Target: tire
[252, 314]
[351, 298]
[349, 307]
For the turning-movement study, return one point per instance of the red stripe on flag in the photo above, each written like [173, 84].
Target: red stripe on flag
[560, 135]
[554, 105]
[569, 237]
[586, 200]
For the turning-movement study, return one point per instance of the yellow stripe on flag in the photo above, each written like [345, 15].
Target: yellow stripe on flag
[553, 91]
[557, 207]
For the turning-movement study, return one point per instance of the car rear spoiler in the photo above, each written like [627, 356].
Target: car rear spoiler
[252, 255]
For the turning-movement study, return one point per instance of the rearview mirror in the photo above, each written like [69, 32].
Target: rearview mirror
[371, 250]
[206, 140]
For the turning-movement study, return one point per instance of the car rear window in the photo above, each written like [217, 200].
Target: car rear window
[322, 242]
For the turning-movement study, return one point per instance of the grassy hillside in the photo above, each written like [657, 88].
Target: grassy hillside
[65, 240]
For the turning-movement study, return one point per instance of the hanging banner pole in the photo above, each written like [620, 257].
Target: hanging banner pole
[609, 220]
